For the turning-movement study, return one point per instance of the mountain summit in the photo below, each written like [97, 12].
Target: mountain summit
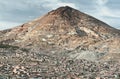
[62, 10]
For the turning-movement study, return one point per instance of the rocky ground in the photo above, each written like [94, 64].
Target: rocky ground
[52, 66]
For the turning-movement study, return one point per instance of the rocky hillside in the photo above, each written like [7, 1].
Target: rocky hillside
[64, 33]
[66, 29]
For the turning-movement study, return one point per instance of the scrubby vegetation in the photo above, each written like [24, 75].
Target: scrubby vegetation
[8, 46]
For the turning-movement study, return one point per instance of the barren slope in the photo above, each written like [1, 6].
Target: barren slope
[64, 29]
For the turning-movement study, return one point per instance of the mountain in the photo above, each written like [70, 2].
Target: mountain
[61, 33]
[64, 28]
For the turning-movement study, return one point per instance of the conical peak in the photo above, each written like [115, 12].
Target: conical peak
[62, 10]
[67, 13]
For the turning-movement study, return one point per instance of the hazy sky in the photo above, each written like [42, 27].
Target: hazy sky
[16, 12]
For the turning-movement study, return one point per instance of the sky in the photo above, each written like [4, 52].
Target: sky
[17, 12]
